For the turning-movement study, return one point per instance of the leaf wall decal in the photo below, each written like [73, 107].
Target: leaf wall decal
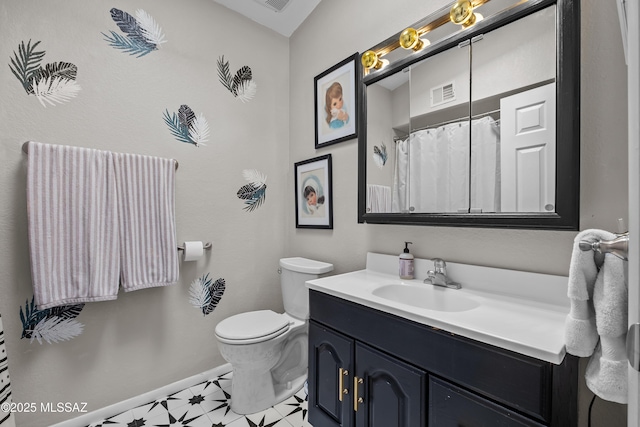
[186, 126]
[255, 192]
[25, 63]
[247, 90]
[241, 85]
[179, 132]
[31, 317]
[199, 130]
[65, 70]
[66, 311]
[205, 295]
[185, 115]
[128, 45]
[149, 28]
[55, 90]
[129, 25]
[224, 75]
[257, 199]
[247, 191]
[199, 295]
[242, 75]
[254, 176]
[54, 330]
[215, 291]
[380, 155]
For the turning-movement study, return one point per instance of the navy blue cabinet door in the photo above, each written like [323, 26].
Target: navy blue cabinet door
[392, 392]
[330, 366]
[451, 406]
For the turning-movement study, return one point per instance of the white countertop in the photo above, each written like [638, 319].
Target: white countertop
[518, 311]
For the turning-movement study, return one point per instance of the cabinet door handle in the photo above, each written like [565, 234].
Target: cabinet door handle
[356, 399]
[341, 390]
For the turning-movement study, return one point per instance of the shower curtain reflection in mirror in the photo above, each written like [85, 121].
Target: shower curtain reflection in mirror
[433, 167]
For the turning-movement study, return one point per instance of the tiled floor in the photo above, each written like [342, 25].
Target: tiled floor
[208, 405]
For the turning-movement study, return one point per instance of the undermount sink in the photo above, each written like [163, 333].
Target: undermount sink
[426, 297]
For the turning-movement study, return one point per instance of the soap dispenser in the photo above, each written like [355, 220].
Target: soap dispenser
[406, 263]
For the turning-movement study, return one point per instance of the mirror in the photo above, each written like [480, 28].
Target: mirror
[464, 132]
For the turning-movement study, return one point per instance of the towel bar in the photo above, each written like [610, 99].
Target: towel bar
[25, 149]
[618, 246]
[207, 246]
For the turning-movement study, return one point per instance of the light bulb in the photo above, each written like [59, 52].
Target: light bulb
[370, 60]
[410, 39]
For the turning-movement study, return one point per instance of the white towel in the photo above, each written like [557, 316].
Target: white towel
[378, 198]
[581, 335]
[72, 218]
[607, 370]
[599, 295]
[146, 199]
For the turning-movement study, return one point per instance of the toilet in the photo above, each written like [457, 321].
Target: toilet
[268, 350]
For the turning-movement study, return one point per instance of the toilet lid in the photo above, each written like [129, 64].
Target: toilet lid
[252, 325]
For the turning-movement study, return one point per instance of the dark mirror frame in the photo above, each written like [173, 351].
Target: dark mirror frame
[566, 216]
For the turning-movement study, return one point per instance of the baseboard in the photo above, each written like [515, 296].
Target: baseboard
[117, 408]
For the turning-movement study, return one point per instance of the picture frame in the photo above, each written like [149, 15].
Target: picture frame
[314, 193]
[339, 85]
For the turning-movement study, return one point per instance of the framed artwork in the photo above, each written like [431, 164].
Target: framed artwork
[336, 102]
[314, 195]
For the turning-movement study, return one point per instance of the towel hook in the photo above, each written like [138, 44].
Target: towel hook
[619, 246]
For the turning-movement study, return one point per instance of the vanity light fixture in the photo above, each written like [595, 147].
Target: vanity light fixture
[371, 59]
[410, 39]
[461, 13]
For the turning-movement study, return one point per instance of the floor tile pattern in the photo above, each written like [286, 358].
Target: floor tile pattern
[208, 405]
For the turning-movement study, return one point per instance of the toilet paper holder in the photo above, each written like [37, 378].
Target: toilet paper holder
[206, 246]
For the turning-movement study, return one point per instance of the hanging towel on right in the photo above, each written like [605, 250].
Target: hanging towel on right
[596, 326]
[146, 211]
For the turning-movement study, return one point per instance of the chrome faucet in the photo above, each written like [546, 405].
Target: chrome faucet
[439, 276]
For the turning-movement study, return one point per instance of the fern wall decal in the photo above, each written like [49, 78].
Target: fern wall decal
[205, 294]
[53, 84]
[380, 155]
[241, 85]
[255, 192]
[51, 325]
[143, 34]
[186, 127]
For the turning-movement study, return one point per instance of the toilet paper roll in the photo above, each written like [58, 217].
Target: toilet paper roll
[193, 251]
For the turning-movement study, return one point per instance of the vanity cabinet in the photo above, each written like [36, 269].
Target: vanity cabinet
[394, 390]
[368, 368]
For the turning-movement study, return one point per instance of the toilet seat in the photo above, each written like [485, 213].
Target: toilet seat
[252, 327]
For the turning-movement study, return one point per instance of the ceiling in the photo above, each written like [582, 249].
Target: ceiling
[292, 12]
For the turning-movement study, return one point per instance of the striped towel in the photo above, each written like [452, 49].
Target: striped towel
[378, 198]
[6, 418]
[73, 223]
[146, 196]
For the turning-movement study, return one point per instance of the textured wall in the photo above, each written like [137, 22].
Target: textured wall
[355, 26]
[148, 338]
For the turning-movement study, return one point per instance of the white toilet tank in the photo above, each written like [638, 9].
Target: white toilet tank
[294, 273]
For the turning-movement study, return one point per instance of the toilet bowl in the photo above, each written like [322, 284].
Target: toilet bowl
[268, 350]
